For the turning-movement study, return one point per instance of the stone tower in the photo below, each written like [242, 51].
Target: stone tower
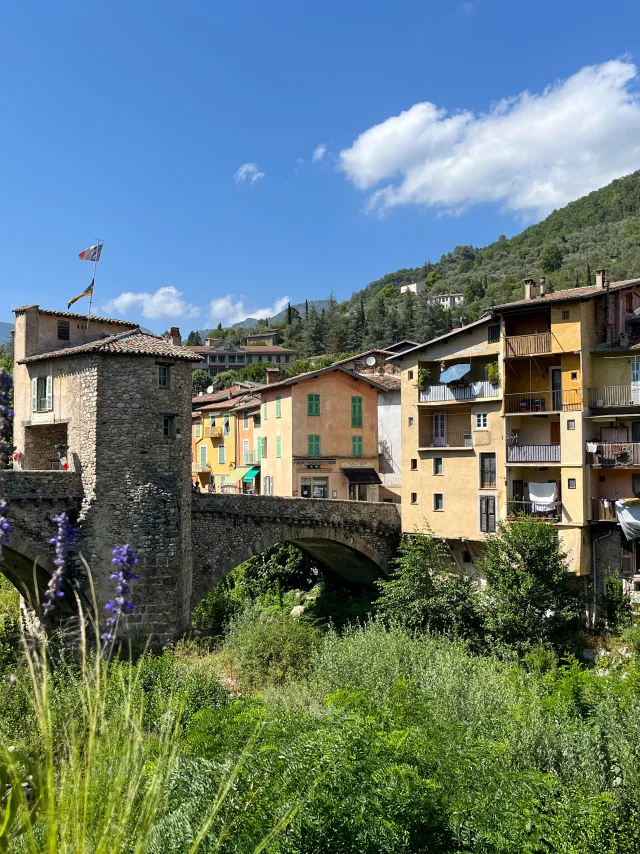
[118, 409]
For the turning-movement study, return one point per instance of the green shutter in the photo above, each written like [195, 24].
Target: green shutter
[49, 393]
[34, 395]
[313, 445]
[278, 407]
[264, 410]
[356, 412]
[259, 448]
[313, 404]
[278, 446]
[356, 446]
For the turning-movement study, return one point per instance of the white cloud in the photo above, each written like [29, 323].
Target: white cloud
[531, 153]
[248, 172]
[319, 152]
[164, 303]
[228, 310]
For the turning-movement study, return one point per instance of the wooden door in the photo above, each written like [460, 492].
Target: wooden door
[555, 432]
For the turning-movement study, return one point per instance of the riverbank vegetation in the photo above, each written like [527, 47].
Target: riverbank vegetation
[306, 716]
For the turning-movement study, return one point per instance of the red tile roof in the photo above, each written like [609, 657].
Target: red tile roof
[313, 374]
[133, 343]
[567, 294]
[76, 316]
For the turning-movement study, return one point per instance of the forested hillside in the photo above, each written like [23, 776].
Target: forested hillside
[598, 230]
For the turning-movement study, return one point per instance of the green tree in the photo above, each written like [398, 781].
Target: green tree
[193, 339]
[256, 373]
[551, 258]
[225, 379]
[425, 594]
[200, 380]
[530, 599]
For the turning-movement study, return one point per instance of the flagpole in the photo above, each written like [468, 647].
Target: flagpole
[93, 284]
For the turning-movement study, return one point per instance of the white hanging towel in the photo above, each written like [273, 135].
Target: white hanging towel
[629, 518]
[592, 447]
[542, 497]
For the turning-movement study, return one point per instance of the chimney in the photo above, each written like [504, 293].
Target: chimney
[529, 289]
[273, 375]
[543, 285]
[600, 274]
[174, 335]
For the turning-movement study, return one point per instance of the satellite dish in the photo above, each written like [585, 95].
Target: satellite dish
[210, 390]
[371, 360]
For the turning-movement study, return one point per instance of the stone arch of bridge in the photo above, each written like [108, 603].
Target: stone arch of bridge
[335, 550]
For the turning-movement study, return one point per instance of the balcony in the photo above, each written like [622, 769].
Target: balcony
[543, 401]
[614, 395]
[616, 454]
[528, 345]
[603, 510]
[441, 393]
[526, 508]
[449, 439]
[212, 432]
[541, 453]
[249, 458]
[200, 467]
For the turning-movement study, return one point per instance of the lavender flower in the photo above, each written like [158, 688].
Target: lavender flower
[6, 414]
[65, 535]
[124, 559]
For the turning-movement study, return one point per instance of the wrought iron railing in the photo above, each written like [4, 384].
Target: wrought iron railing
[614, 395]
[542, 453]
[441, 392]
[615, 454]
[528, 345]
[530, 508]
[450, 439]
[543, 401]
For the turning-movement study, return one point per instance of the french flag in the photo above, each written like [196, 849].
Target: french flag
[91, 254]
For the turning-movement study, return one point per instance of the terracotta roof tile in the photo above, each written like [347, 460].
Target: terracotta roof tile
[567, 294]
[133, 343]
[77, 316]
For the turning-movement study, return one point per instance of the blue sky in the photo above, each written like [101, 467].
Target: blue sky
[128, 121]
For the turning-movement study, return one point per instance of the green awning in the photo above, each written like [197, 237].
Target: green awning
[251, 473]
[238, 474]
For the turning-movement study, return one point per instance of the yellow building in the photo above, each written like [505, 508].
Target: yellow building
[540, 415]
[319, 436]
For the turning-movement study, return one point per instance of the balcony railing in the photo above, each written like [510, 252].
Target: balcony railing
[603, 510]
[616, 454]
[212, 432]
[543, 401]
[529, 508]
[250, 457]
[529, 345]
[614, 395]
[545, 453]
[200, 467]
[440, 392]
[450, 439]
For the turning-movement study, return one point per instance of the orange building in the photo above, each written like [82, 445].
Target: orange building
[319, 436]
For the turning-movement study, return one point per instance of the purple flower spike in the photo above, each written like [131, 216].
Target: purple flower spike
[65, 535]
[124, 559]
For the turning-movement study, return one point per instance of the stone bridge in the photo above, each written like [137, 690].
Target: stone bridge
[356, 540]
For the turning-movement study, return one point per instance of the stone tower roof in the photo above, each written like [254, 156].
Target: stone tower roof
[131, 343]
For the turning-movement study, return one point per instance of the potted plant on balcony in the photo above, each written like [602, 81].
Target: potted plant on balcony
[493, 373]
[424, 377]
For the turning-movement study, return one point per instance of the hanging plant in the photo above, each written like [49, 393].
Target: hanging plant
[424, 377]
[493, 373]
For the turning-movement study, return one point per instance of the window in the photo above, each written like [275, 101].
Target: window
[574, 375]
[42, 394]
[278, 446]
[438, 501]
[481, 420]
[212, 421]
[267, 485]
[264, 446]
[168, 427]
[232, 358]
[411, 421]
[314, 487]
[571, 483]
[493, 334]
[487, 471]
[313, 445]
[245, 452]
[249, 360]
[163, 376]
[198, 429]
[202, 453]
[414, 465]
[356, 446]
[571, 424]
[264, 410]
[357, 492]
[566, 314]
[259, 450]
[221, 455]
[278, 407]
[240, 359]
[63, 330]
[245, 420]
[487, 513]
[438, 465]
[313, 404]
[356, 412]
[414, 497]
[226, 426]
[410, 375]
